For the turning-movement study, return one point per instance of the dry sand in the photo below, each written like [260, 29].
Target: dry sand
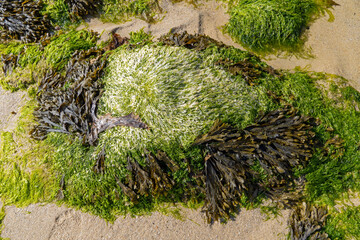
[51, 222]
[336, 47]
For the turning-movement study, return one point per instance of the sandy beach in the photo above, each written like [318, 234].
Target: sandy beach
[336, 50]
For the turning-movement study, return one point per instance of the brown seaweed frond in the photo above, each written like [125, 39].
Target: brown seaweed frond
[99, 166]
[81, 8]
[279, 141]
[251, 72]
[191, 41]
[22, 20]
[116, 41]
[306, 221]
[10, 62]
[153, 179]
[68, 104]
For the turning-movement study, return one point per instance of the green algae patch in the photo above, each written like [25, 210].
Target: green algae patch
[123, 10]
[25, 165]
[344, 223]
[175, 92]
[28, 62]
[267, 26]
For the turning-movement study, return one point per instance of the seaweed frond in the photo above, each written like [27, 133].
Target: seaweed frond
[279, 142]
[22, 20]
[306, 221]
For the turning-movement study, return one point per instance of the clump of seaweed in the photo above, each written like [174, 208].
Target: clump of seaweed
[263, 25]
[81, 8]
[68, 103]
[191, 41]
[10, 62]
[279, 141]
[251, 72]
[22, 20]
[153, 179]
[306, 221]
[116, 41]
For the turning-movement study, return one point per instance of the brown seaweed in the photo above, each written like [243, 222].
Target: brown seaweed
[152, 179]
[191, 41]
[22, 20]
[60, 195]
[250, 71]
[10, 62]
[81, 8]
[68, 104]
[99, 167]
[279, 141]
[285, 194]
[116, 41]
[306, 221]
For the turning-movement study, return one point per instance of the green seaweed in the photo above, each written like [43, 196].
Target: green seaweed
[344, 223]
[267, 26]
[123, 10]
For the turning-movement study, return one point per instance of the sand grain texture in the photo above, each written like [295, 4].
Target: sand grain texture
[335, 45]
[51, 222]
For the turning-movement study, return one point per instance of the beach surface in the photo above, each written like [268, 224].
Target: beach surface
[335, 47]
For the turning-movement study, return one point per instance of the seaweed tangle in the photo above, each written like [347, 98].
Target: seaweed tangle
[22, 20]
[153, 179]
[99, 167]
[197, 42]
[279, 141]
[249, 71]
[306, 221]
[10, 62]
[81, 8]
[116, 41]
[68, 104]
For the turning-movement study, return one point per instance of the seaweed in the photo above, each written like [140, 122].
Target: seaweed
[81, 8]
[22, 20]
[152, 179]
[279, 141]
[251, 72]
[68, 103]
[191, 41]
[99, 166]
[116, 41]
[306, 221]
[268, 25]
[10, 62]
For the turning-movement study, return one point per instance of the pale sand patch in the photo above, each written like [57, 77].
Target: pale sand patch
[51, 222]
[336, 47]
[10, 105]
[207, 18]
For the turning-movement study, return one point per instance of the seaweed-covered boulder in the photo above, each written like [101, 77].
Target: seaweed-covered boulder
[178, 93]
[68, 104]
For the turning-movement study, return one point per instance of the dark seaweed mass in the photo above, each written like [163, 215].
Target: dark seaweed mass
[68, 104]
[81, 8]
[21, 20]
[10, 62]
[149, 180]
[306, 221]
[197, 42]
[279, 141]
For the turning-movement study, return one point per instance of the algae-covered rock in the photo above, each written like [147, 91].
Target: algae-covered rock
[178, 93]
